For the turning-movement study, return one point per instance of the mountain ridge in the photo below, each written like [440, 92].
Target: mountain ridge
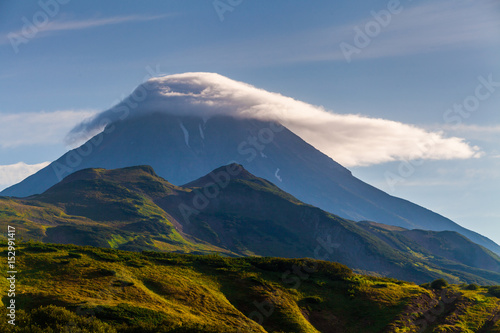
[135, 209]
[301, 170]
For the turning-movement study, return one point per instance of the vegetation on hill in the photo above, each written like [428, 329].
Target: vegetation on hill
[68, 288]
[232, 212]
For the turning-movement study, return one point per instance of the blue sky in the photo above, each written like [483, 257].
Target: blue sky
[417, 66]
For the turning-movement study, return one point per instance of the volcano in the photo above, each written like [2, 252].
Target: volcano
[182, 146]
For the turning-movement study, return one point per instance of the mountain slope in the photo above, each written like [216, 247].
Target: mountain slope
[83, 289]
[229, 211]
[102, 208]
[447, 244]
[266, 149]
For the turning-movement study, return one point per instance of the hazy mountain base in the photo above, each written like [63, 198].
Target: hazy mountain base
[66, 288]
[134, 209]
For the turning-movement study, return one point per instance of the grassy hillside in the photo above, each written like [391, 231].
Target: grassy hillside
[67, 288]
[103, 208]
[231, 211]
[446, 244]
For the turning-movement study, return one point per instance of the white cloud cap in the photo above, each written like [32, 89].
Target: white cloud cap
[351, 140]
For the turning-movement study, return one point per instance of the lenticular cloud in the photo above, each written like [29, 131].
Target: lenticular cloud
[352, 140]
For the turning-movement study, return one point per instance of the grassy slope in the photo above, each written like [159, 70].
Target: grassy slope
[121, 291]
[447, 251]
[446, 244]
[102, 208]
[134, 209]
[277, 225]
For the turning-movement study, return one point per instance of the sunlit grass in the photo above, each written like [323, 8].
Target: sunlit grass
[152, 291]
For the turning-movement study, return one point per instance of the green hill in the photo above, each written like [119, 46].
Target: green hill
[68, 288]
[232, 212]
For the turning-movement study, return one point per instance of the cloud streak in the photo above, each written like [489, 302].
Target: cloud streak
[422, 28]
[38, 128]
[70, 25]
[487, 136]
[435, 26]
[92, 23]
[352, 140]
[14, 173]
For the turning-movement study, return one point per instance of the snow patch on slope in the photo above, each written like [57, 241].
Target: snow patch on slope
[186, 133]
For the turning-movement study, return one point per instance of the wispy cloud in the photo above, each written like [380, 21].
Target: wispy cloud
[483, 133]
[14, 173]
[61, 25]
[38, 128]
[493, 129]
[351, 140]
[92, 23]
[434, 26]
[422, 28]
